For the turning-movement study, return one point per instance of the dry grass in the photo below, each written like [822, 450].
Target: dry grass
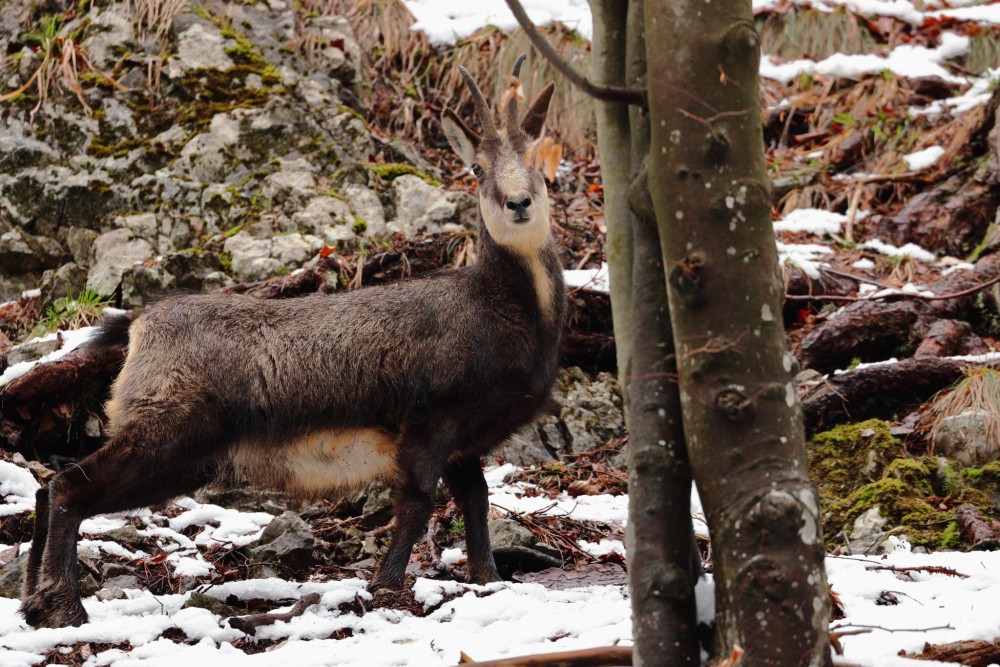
[154, 16]
[812, 33]
[979, 391]
[412, 81]
[62, 61]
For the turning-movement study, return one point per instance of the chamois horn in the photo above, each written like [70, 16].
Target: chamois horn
[482, 108]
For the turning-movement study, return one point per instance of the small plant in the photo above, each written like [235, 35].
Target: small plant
[72, 313]
[979, 392]
[457, 527]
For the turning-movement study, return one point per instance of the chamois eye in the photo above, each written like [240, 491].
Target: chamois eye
[476, 169]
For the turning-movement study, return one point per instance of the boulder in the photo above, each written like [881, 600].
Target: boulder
[287, 540]
[964, 437]
[114, 252]
[424, 208]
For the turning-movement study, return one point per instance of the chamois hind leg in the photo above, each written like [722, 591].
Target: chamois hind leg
[37, 542]
[419, 461]
[467, 485]
[121, 475]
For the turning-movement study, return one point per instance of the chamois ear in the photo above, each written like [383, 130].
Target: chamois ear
[535, 118]
[463, 141]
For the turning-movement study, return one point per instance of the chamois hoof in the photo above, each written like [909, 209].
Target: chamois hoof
[483, 576]
[386, 584]
[50, 607]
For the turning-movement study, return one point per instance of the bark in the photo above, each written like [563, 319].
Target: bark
[877, 391]
[976, 530]
[742, 419]
[878, 329]
[608, 53]
[663, 558]
[607, 656]
[972, 653]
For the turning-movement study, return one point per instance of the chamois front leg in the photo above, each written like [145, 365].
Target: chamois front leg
[467, 485]
[419, 463]
[37, 542]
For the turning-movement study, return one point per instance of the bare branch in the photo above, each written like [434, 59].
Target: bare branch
[604, 93]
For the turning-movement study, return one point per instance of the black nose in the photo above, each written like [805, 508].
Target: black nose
[519, 205]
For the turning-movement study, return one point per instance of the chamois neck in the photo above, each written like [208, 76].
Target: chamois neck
[532, 273]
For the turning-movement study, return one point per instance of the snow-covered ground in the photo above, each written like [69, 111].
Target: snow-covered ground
[488, 622]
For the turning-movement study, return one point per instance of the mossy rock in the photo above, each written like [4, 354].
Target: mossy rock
[843, 458]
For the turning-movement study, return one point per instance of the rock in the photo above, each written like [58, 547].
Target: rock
[287, 540]
[81, 244]
[424, 208]
[140, 284]
[206, 157]
[21, 252]
[525, 448]
[293, 184]
[868, 532]
[128, 537]
[201, 601]
[65, 282]
[509, 533]
[143, 225]
[367, 206]
[249, 499]
[295, 249]
[323, 216]
[377, 510]
[32, 350]
[20, 151]
[963, 437]
[259, 259]
[11, 576]
[114, 588]
[114, 252]
[40, 470]
[202, 47]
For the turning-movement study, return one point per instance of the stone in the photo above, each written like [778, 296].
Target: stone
[367, 206]
[11, 576]
[252, 257]
[114, 252]
[963, 437]
[32, 350]
[509, 533]
[287, 540]
[143, 225]
[525, 448]
[202, 47]
[295, 249]
[868, 532]
[294, 184]
[16, 253]
[421, 208]
[40, 470]
[81, 244]
[141, 284]
[201, 601]
[206, 156]
[20, 151]
[377, 508]
[65, 282]
[323, 213]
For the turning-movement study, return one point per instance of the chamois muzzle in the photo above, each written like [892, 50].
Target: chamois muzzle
[519, 205]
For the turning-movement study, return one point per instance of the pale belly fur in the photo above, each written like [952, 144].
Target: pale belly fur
[318, 463]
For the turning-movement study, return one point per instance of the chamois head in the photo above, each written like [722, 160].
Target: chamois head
[513, 200]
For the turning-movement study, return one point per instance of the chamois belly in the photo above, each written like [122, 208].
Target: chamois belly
[318, 463]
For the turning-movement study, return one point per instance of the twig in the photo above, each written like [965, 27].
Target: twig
[605, 656]
[249, 624]
[929, 569]
[893, 295]
[883, 629]
[604, 93]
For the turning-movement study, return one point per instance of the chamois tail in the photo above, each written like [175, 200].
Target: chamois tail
[112, 331]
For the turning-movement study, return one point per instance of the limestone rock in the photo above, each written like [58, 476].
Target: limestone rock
[202, 47]
[287, 540]
[421, 207]
[65, 282]
[114, 252]
[365, 204]
[868, 532]
[963, 437]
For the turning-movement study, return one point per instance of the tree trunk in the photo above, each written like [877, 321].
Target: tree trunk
[608, 49]
[742, 417]
[662, 571]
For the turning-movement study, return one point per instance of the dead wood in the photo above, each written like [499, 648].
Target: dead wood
[928, 569]
[972, 653]
[249, 624]
[802, 292]
[873, 330]
[605, 656]
[876, 391]
[976, 530]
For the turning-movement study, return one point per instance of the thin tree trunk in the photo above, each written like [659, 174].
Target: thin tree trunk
[742, 418]
[608, 54]
[663, 563]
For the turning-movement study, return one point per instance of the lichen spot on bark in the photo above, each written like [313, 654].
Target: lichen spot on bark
[765, 313]
[786, 362]
[790, 395]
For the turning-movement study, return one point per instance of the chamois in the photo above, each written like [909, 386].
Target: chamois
[407, 383]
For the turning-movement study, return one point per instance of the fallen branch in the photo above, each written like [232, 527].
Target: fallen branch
[976, 530]
[929, 569]
[973, 653]
[249, 624]
[605, 656]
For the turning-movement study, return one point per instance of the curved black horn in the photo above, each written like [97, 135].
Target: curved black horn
[513, 127]
[482, 108]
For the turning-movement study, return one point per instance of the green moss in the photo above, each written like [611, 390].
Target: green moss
[232, 231]
[360, 225]
[226, 262]
[392, 170]
[915, 473]
[844, 457]
[951, 537]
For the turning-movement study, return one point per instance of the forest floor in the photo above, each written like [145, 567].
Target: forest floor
[879, 132]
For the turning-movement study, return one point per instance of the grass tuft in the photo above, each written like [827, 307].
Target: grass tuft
[979, 391]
